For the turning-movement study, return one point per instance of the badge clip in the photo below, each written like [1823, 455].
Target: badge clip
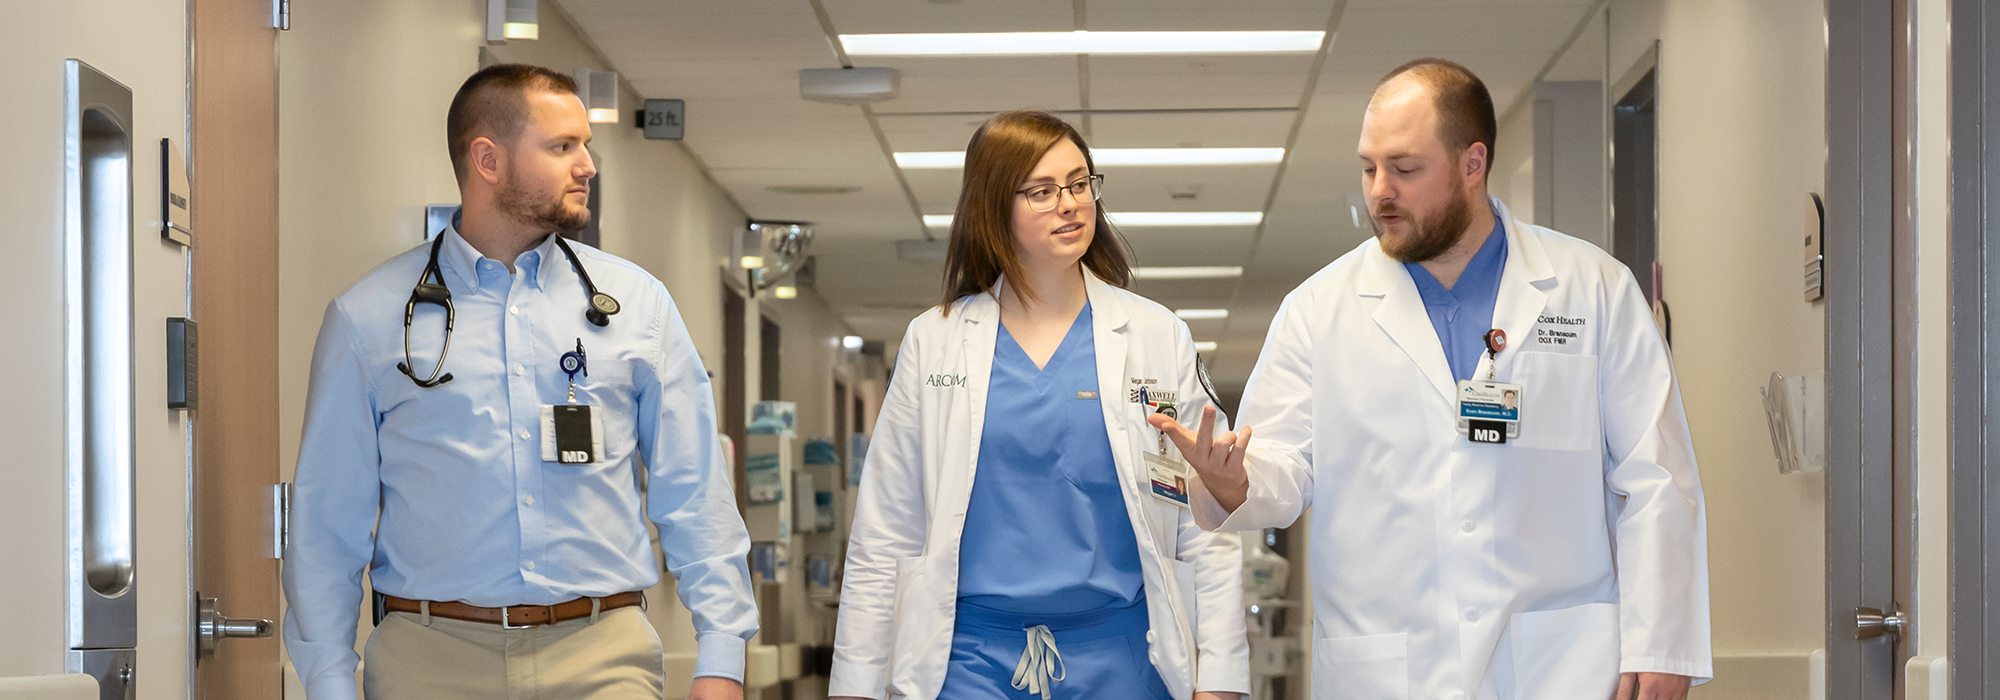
[572, 363]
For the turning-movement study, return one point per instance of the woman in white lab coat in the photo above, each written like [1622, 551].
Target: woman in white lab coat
[1020, 530]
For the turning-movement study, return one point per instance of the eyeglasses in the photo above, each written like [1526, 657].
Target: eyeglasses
[1043, 198]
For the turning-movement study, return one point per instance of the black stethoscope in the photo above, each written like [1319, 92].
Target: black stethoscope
[602, 308]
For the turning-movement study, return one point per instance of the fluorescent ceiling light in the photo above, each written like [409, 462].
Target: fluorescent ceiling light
[1187, 218]
[601, 115]
[785, 291]
[1124, 157]
[1186, 273]
[1080, 42]
[1187, 156]
[930, 160]
[1202, 314]
[1204, 346]
[850, 342]
[1152, 218]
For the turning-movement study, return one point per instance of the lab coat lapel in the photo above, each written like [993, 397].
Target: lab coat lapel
[1110, 331]
[980, 319]
[1108, 319]
[1401, 314]
[1521, 299]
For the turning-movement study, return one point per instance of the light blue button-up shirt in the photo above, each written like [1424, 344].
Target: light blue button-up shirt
[468, 510]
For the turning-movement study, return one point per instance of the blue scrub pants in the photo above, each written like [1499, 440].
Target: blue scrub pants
[1103, 655]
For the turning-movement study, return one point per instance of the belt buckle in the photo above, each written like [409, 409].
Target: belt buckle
[505, 624]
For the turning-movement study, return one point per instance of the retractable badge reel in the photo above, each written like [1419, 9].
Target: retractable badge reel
[1490, 411]
[571, 432]
[1167, 475]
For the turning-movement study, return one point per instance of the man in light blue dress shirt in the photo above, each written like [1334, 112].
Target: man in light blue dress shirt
[490, 454]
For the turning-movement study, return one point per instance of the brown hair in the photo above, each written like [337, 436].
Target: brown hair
[997, 160]
[492, 103]
[1464, 107]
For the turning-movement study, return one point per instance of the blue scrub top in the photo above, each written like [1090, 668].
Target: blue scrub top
[1046, 531]
[1463, 314]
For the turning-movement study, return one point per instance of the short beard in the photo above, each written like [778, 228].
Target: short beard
[1431, 236]
[550, 214]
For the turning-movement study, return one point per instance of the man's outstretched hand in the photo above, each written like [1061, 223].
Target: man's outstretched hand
[1218, 460]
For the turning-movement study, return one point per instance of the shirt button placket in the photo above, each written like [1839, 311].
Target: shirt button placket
[523, 400]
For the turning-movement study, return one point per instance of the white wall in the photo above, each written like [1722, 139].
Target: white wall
[1512, 176]
[1570, 158]
[1551, 164]
[1741, 140]
[141, 44]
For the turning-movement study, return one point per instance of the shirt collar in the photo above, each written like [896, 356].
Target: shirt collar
[460, 258]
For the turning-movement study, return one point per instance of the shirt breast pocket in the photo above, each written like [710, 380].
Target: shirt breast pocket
[612, 394]
[607, 383]
[1559, 402]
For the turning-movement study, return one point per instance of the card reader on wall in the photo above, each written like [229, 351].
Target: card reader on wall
[182, 377]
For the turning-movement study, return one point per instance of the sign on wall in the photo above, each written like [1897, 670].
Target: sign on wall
[664, 119]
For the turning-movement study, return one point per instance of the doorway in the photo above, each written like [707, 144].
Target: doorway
[1635, 171]
[1975, 335]
[1869, 421]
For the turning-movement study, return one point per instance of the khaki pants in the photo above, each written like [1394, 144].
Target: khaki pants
[617, 657]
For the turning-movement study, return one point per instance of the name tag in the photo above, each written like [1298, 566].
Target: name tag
[571, 434]
[1489, 412]
[1168, 477]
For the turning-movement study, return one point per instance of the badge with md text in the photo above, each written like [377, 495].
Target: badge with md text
[1489, 411]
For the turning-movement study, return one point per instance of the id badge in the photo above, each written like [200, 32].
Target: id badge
[1168, 477]
[571, 434]
[1489, 412]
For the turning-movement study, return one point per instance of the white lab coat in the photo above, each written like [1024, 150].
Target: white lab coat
[1541, 568]
[897, 604]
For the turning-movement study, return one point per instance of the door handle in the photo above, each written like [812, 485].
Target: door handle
[1870, 623]
[211, 627]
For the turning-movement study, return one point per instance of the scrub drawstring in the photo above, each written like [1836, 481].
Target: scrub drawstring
[1041, 664]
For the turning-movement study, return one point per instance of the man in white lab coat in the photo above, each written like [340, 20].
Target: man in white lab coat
[1487, 420]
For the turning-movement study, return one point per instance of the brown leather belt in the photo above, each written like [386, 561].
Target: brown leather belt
[517, 616]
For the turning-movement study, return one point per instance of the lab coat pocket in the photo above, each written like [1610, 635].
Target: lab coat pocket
[1566, 653]
[1372, 667]
[1559, 406]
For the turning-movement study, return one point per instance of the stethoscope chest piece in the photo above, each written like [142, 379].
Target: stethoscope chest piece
[602, 307]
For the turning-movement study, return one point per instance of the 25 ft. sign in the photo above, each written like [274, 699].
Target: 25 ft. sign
[664, 119]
